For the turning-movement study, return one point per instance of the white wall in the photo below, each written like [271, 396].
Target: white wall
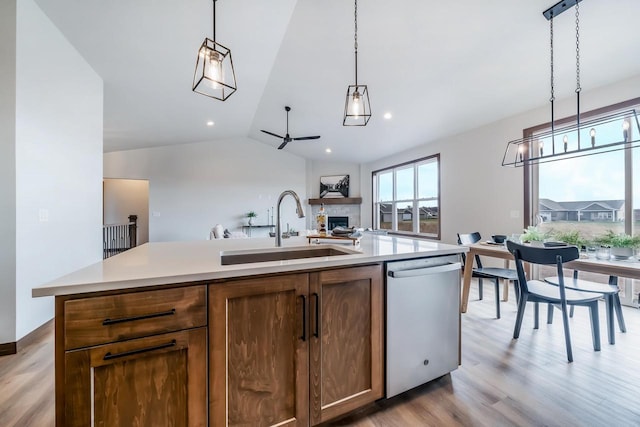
[7, 171]
[58, 162]
[477, 193]
[193, 187]
[124, 197]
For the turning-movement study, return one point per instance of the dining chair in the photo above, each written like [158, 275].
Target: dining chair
[610, 290]
[559, 296]
[492, 273]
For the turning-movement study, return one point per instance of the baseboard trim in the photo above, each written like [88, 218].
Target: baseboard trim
[8, 348]
[33, 336]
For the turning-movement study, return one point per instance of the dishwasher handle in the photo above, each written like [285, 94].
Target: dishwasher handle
[399, 274]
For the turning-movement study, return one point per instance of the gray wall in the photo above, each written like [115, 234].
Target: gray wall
[193, 187]
[58, 163]
[477, 192]
[7, 170]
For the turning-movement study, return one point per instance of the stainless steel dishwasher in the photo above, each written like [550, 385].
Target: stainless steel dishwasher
[423, 321]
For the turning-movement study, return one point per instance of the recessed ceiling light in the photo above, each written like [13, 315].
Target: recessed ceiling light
[328, 150]
[387, 116]
[210, 123]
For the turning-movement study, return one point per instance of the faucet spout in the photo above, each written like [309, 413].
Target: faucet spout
[299, 210]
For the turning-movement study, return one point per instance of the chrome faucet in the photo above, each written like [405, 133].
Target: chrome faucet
[298, 209]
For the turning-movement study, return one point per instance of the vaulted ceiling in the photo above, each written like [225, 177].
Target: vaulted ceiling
[439, 68]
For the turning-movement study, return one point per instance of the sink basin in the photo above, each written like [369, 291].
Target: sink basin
[281, 254]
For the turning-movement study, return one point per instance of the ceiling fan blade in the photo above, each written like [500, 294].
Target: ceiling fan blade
[271, 133]
[302, 138]
[283, 144]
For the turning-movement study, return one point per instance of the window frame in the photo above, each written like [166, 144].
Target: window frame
[415, 201]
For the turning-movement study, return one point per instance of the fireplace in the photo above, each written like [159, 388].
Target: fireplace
[337, 221]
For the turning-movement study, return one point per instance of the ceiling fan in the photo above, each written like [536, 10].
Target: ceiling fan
[287, 139]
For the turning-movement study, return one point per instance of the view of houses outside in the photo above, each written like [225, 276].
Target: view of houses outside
[587, 194]
[407, 197]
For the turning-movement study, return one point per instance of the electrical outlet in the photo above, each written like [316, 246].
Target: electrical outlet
[155, 214]
[515, 214]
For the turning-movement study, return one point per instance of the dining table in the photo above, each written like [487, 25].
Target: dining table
[611, 268]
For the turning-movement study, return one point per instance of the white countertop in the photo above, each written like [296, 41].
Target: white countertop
[166, 263]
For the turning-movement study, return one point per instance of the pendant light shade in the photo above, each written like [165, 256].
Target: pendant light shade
[214, 75]
[357, 108]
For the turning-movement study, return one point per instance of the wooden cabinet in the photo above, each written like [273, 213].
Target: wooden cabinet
[117, 365]
[296, 349]
[258, 359]
[346, 354]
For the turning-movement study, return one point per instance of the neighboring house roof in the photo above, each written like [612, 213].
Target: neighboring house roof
[586, 205]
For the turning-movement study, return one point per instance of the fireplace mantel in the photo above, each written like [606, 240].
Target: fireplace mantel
[337, 201]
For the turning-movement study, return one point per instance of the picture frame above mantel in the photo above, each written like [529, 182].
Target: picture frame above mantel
[337, 201]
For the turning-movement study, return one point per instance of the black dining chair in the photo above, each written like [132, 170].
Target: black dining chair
[559, 296]
[492, 273]
[610, 290]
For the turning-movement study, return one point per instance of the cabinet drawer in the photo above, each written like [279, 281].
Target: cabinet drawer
[100, 320]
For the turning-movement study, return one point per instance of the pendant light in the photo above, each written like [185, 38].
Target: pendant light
[613, 132]
[357, 109]
[214, 75]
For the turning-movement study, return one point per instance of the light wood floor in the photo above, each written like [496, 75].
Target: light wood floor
[502, 382]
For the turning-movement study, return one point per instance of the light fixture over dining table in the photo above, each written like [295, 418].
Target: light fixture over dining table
[613, 132]
[214, 75]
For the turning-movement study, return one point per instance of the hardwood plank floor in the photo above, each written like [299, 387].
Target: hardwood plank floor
[502, 382]
[524, 382]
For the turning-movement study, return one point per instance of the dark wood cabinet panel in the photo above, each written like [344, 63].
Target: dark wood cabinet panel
[346, 345]
[101, 320]
[156, 381]
[258, 352]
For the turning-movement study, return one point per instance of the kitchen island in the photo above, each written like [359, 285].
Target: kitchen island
[171, 334]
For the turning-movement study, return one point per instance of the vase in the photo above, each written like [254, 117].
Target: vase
[250, 220]
[621, 253]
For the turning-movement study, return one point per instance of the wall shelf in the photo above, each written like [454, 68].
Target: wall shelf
[337, 201]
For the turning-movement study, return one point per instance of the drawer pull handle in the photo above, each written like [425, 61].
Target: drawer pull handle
[316, 333]
[107, 322]
[304, 318]
[110, 356]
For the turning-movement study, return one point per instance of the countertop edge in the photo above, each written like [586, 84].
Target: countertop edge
[57, 289]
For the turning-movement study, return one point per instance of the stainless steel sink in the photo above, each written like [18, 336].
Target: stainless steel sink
[281, 254]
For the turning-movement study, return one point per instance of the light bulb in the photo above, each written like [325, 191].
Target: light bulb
[541, 146]
[592, 134]
[213, 69]
[565, 140]
[625, 130]
[356, 106]
[521, 151]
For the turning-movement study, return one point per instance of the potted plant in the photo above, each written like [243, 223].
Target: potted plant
[251, 215]
[622, 245]
[570, 237]
[533, 236]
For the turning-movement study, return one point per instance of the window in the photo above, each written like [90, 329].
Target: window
[406, 197]
[590, 195]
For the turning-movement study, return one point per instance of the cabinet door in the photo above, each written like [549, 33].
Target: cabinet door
[346, 340]
[258, 334]
[153, 381]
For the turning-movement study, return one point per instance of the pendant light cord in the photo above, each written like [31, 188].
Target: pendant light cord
[553, 96]
[578, 88]
[214, 21]
[355, 36]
